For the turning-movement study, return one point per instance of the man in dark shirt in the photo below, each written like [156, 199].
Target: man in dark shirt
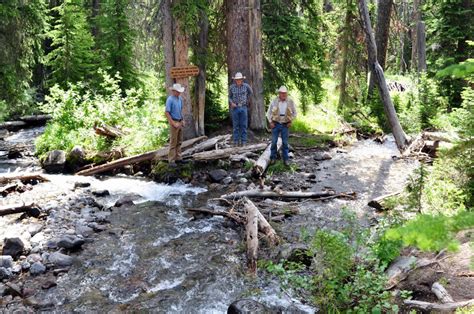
[174, 114]
[239, 101]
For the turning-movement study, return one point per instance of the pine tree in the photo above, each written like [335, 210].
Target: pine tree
[21, 33]
[72, 58]
[116, 41]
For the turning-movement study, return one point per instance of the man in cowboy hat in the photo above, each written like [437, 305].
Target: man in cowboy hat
[239, 101]
[174, 114]
[280, 114]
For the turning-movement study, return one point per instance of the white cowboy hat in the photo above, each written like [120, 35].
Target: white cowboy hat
[283, 89]
[177, 87]
[238, 76]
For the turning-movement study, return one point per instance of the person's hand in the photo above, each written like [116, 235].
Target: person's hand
[232, 105]
[288, 125]
[272, 125]
[176, 124]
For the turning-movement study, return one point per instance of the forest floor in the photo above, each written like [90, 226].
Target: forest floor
[76, 211]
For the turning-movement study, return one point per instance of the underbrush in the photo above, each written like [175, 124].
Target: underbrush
[77, 110]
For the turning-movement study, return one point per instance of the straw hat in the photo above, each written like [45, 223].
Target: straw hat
[238, 76]
[177, 87]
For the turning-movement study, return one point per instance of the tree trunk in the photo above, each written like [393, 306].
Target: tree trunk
[264, 160]
[237, 26]
[416, 17]
[257, 109]
[167, 40]
[200, 86]
[286, 194]
[421, 46]
[94, 14]
[377, 71]
[344, 53]
[182, 59]
[384, 12]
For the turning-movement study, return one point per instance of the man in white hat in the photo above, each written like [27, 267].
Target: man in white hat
[280, 114]
[239, 101]
[174, 114]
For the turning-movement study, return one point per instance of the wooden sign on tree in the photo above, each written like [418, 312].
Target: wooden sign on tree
[183, 72]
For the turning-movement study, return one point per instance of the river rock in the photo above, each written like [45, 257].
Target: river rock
[101, 193]
[37, 238]
[247, 306]
[5, 273]
[16, 269]
[13, 289]
[33, 258]
[126, 200]
[84, 230]
[323, 156]
[55, 161]
[217, 175]
[78, 185]
[70, 242]
[25, 265]
[13, 247]
[3, 289]
[227, 180]
[6, 261]
[37, 269]
[34, 228]
[59, 259]
[76, 158]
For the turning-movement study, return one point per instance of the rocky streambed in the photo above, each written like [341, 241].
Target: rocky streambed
[126, 243]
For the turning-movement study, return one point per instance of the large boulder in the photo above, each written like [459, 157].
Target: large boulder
[76, 158]
[217, 175]
[13, 247]
[247, 306]
[55, 161]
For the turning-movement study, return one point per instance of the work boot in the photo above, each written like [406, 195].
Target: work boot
[286, 163]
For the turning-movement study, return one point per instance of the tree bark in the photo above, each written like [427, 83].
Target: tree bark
[200, 86]
[94, 14]
[251, 232]
[384, 12]
[416, 17]
[237, 27]
[398, 133]
[182, 59]
[344, 55]
[441, 293]
[263, 224]
[257, 109]
[24, 178]
[30, 209]
[167, 40]
[206, 145]
[421, 46]
[136, 159]
[446, 307]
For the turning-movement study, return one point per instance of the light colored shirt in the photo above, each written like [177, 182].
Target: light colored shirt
[282, 106]
[174, 105]
[240, 95]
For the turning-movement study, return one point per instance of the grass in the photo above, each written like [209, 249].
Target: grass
[279, 167]
[319, 140]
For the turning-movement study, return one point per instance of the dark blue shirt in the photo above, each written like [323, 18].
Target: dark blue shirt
[174, 105]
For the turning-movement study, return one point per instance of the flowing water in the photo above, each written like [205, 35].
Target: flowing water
[158, 257]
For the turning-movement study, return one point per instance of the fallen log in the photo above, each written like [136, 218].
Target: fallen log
[227, 152]
[263, 224]
[31, 209]
[108, 131]
[441, 293]
[251, 231]
[445, 307]
[440, 136]
[206, 145]
[13, 125]
[24, 178]
[377, 202]
[264, 160]
[286, 194]
[156, 154]
[39, 119]
[7, 189]
[234, 216]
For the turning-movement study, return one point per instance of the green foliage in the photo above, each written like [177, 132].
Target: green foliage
[341, 278]
[3, 110]
[22, 27]
[115, 42]
[279, 167]
[72, 59]
[293, 48]
[416, 184]
[76, 111]
[432, 233]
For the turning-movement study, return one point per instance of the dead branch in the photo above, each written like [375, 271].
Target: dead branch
[447, 307]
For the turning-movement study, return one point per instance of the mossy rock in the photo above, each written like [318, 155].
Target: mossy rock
[164, 172]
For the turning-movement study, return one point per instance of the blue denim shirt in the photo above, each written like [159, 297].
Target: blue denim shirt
[240, 95]
[174, 105]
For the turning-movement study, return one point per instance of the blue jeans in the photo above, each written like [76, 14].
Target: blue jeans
[239, 122]
[276, 131]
